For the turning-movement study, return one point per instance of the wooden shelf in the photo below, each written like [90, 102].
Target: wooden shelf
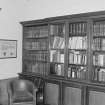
[77, 65]
[77, 34]
[33, 38]
[81, 50]
[36, 49]
[68, 80]
[99, 36]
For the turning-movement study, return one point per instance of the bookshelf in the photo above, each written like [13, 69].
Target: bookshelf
[68, 54]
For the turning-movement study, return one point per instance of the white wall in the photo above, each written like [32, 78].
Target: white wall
[10, 16]
[14, 11]
[37, 9]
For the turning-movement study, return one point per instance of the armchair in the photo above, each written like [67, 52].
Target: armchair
[21, 92]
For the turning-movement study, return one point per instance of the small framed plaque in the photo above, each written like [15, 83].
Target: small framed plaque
[8, 48]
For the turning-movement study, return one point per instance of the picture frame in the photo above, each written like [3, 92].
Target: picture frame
[8, 48]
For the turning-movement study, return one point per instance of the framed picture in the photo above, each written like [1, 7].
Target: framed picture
[8, 48]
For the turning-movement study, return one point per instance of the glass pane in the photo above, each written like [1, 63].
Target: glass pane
[57, 44]
[36, 32]
[99, 50]
[36, 45]
[77, 45]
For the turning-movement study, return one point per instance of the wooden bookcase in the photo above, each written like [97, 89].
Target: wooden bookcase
[67, 53]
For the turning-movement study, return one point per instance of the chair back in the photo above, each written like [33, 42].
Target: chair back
[21, 90]
[21, 85]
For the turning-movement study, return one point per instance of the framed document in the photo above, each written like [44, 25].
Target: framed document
[8, 48]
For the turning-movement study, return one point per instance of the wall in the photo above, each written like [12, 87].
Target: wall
[14, 11]
[37, 9]
[11, 14]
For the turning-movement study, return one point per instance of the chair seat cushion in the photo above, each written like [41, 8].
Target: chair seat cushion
[22, 97]
[23, 103]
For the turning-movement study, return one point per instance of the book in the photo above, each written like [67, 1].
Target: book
[77, 43]
[99, 59]
[61, 43]
[52, 68]
[69, 72]
[102, 75]
[57, 29]
[103, 45]
[77, 28]
[56, 56]
[99, 28]
[56, 42]
[62, 58]
[77, 58]
[96, 74]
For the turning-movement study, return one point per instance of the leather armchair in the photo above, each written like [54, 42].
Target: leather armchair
[21, 92]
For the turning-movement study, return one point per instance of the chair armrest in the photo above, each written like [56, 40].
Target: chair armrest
[9, 95]
[34, 96]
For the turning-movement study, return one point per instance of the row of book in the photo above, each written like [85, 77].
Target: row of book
[58, 29]
[99, 44]
[77, 43]
[99, 74]
[99, 28]
[36, 45]
[37, 56]
[99, 59]
[56, 56]
[77, 28]
[77, 72]
[57, 69]
[57, 43]
[36, 32]
[77, 57]
[36, 67]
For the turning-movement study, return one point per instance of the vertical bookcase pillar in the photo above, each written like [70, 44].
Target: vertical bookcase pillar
[89, 49]
[66, 48]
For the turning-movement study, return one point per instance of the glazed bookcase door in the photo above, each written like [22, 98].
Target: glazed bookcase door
[77, 50]
[99, 50]
[35, 48]
[57, 45]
